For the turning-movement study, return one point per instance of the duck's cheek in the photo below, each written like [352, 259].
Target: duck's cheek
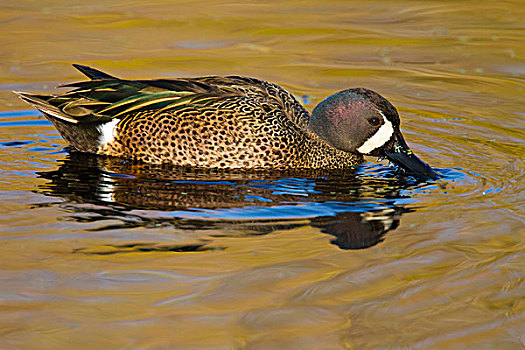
[378, 139]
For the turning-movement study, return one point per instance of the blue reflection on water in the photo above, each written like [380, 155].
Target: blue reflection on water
[25, 112]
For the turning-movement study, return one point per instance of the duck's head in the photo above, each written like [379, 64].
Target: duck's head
[362, 121]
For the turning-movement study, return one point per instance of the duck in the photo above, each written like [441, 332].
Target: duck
[226, 122]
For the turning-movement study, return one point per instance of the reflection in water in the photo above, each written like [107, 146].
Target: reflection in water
[360, 230]
[356, 209]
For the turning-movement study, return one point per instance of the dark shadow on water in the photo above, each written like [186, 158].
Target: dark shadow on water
[146, 248]
[357, 207]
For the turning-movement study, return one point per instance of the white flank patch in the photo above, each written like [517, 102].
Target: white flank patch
[107, 132]
[379, 138]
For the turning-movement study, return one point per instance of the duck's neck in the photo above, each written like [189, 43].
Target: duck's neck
[317, 153]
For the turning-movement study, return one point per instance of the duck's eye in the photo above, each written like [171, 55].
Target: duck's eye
[374, 121]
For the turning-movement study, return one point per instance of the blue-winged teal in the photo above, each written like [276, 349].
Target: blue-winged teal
[224, 122]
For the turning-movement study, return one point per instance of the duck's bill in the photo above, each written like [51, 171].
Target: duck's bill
[400, 154]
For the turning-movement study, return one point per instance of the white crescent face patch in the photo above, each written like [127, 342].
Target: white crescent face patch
[378, 139]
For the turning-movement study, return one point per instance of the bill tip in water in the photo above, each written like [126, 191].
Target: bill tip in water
[400, 154]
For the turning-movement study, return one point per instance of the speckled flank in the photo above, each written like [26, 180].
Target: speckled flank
[223, 133]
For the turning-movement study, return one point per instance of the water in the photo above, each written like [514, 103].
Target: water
[98, 253]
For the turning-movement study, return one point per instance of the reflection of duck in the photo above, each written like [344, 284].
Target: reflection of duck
[255, 203]
[225, 122]
[360, 230]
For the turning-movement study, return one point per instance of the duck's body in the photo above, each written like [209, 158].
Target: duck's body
[217, 122]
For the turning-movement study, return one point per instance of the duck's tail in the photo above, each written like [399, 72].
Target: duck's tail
[83, 136]
[41, 103]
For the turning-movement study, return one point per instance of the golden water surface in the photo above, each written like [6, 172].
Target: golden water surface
[101, 254]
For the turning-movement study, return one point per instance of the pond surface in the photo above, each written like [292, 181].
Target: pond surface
[99, 253]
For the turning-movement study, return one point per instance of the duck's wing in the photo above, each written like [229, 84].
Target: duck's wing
[106, 97]
[251, 87]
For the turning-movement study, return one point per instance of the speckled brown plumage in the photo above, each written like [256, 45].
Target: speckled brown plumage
[215, 122]
[232, 132]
